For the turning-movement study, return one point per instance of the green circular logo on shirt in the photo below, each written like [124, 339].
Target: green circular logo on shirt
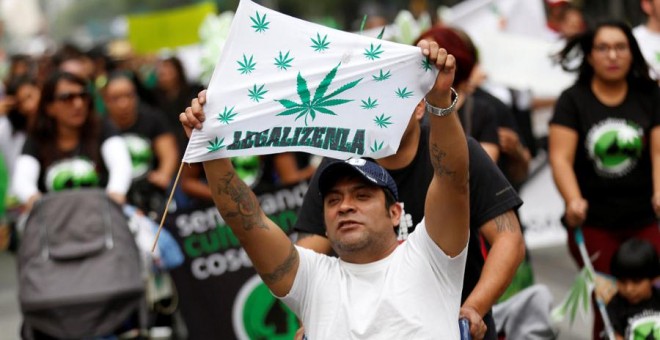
[257, 314]
[71, 173]
[644, 326]
[615, 146]
[248, 169]
[141, 154]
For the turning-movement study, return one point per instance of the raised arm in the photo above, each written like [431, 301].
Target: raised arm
[447, 202]
[272, 253]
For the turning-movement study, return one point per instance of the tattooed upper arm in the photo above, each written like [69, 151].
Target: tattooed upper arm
[283, 268]
[506, 222]
[242, 203]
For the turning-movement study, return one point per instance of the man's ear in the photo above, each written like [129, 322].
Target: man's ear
[395, 213]
[647, 7]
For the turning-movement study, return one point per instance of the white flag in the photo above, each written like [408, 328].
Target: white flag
[283, 84]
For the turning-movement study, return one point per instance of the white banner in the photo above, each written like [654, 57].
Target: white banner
[283, 84]
[515, 45]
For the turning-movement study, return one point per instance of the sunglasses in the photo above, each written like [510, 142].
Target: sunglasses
[69, 97]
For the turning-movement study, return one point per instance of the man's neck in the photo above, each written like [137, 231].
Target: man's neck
[407, 150]
[653, 25]
[368, 255]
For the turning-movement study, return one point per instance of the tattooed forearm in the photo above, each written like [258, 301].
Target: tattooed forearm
[504, 222]
[242, 203]
[283, 269]
[437, 156]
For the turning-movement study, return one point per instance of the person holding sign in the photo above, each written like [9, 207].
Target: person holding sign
[376, 288]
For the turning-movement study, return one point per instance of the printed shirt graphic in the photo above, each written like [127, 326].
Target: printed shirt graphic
[283, 84]
[615, 146]
[645, 326]
[70, 173]
[141, 154]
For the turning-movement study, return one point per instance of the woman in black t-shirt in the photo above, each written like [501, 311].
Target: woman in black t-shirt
[604, 144]
[69, 147]
[151, 144]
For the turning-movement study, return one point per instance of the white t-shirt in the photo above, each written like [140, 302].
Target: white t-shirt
[11, 144]
[414, 293]
[649, 43]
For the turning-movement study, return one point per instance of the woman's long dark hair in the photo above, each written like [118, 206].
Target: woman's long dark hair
[582, 45]
[18, 120]
[44, 130]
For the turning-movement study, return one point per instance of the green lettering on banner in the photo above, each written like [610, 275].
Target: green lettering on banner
[285, 141]
[261, 138]
[236, 144]
[189, 247]
[342, 136]
[329, 138]
[304, 139]
[274, 139]
[248, 142]
[296, 135]
[317, 140]
[357, 146]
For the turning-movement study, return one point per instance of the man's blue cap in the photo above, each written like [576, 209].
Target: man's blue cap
[369, 170]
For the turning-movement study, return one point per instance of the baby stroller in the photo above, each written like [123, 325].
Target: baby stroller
[79, 268]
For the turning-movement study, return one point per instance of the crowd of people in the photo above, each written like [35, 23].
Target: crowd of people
[413, 242]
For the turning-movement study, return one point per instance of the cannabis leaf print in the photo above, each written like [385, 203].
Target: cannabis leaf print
[320, 103]
[227, 115]
[376, 146]
[426, 65]
[403, 93]
[247, 66]
[260, 23]
[215, 145]
[382, 121]
[320, 44]
[257, 94]
[373, 53]
[382, 76]
[283, 62]
[369, 104]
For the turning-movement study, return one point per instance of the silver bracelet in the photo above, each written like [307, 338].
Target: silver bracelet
[441, 112]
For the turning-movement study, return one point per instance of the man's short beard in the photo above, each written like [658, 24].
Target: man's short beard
[341, 247]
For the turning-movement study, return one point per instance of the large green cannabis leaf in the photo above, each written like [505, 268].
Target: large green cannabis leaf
[320, 103]
[260, 23]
